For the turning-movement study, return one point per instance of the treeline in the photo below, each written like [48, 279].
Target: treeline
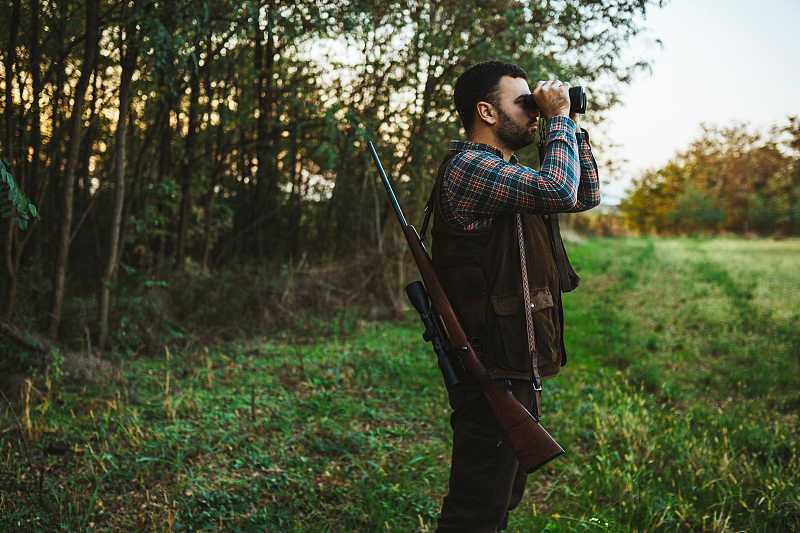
[728, 180]
[160, 137]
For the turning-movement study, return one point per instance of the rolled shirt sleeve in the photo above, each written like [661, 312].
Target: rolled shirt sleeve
[589, 185]
[479, 184]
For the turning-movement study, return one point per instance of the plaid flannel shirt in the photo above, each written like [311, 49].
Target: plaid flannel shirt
[479, 184]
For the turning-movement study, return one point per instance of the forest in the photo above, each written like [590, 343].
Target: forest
[164, 145]
[728, 180]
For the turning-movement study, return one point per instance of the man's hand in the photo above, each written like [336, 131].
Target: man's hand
[552, 98]
[574, 117]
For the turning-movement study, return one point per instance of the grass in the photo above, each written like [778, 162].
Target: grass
[678, 410]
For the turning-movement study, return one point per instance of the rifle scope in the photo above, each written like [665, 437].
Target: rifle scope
[418, 297]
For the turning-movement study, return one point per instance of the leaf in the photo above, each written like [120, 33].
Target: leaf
[14, 205]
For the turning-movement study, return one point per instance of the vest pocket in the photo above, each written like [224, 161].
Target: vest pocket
[511, 341]
[511, 331]
[544, 326]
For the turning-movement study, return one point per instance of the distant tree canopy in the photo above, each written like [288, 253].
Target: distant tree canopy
[158, 135]
[726, 180]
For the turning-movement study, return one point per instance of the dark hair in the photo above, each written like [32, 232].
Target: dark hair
[479, 83]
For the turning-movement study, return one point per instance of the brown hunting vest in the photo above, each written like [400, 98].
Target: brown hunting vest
[480, 272]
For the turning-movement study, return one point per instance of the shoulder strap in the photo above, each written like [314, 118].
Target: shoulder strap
[529, 330]
[432, 198]
[428, 210]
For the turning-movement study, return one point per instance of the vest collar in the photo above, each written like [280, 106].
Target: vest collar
[460, 146]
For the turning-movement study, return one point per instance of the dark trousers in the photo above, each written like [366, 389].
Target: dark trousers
[485, 483]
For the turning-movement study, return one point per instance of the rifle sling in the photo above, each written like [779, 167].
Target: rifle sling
[529, 330]
[432, 198]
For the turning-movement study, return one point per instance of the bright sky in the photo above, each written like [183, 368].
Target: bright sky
[722, 61]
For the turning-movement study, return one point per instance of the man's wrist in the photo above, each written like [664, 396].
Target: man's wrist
[561, 122]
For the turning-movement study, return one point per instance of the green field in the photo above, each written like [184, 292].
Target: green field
[678, 410]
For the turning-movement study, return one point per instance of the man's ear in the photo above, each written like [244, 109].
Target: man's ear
[486, 112]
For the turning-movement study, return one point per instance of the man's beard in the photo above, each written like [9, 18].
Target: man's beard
[512, 134]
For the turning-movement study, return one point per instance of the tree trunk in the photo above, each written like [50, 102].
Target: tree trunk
[264, 201]
[189, 168]
[36, 77]
[84, 182]
[8, 153]
[142, 174]
[296, 195]
[90, 51]
[136, 179]
[164, 172]
[43, 252]
[219, 160]
[170, 87]
[128, 66]
[10, 60]
[11, 289]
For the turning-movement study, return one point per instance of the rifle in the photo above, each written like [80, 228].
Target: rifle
[531, 443]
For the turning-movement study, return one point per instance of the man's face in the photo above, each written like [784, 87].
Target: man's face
[515, 126]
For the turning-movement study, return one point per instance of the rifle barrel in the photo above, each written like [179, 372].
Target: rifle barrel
[388, 185]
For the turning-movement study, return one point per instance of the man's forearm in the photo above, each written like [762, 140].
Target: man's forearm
[562, 159]
[479, 183]
[588, 195]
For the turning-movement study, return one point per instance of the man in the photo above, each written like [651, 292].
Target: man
[487, 208]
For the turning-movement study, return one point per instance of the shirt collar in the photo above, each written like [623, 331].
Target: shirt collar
[460, 146]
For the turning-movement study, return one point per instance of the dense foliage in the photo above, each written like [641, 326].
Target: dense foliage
[727, 180]
[193, 135]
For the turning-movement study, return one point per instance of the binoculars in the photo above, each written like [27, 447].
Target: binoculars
[577, 101]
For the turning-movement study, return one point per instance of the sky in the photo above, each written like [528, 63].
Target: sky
[722, 61]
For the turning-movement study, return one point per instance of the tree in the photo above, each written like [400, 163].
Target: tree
[728, 179]
[695, 211]
[129, 47]
[225, 131]
[65, 240]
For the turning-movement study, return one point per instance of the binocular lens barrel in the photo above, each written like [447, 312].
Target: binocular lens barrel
[577, 101]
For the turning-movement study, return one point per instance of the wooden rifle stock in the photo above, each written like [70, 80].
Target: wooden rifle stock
[531, 443]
